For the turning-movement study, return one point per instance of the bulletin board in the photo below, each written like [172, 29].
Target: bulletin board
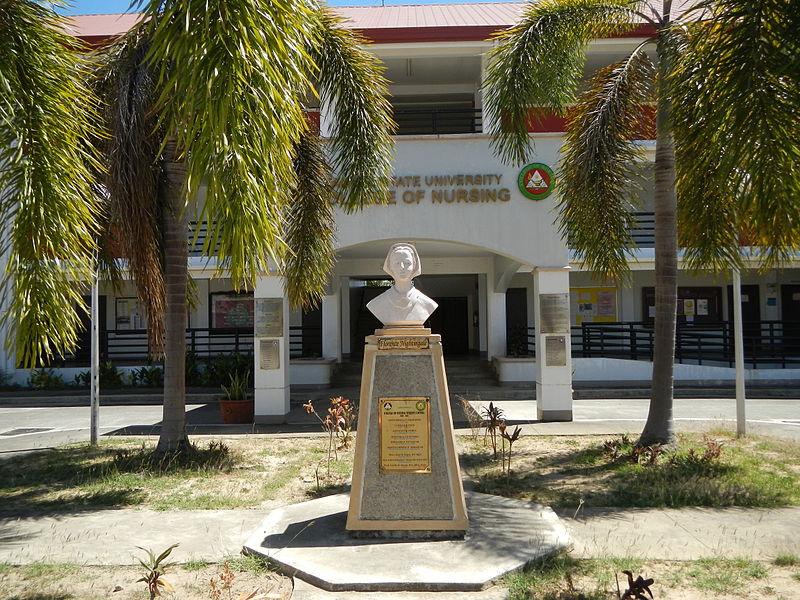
[593, 305]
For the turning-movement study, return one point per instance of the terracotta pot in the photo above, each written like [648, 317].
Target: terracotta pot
[236, 411]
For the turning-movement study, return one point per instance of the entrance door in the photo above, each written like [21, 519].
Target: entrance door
[751, 317]
[451, 321]
[790, 315]
[83, 354]
[516, 322]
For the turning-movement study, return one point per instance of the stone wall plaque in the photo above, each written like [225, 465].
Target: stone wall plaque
[404, 426]
[411, 342]
[555, 351]
[269, 317]
[270, 355]
[554, 313]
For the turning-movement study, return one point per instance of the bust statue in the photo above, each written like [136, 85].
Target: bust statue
[402, 305]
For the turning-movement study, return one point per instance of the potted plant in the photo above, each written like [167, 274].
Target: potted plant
[235, 404]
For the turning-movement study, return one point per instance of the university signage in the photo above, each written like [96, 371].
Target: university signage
[536, 181]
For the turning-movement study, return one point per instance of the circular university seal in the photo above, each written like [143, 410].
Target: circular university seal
[536, 181]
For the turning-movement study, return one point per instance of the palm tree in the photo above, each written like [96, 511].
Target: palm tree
[47, 175]
[725, 89]
[217, 97]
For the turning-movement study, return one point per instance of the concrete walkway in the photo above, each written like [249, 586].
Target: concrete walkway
[110, 537]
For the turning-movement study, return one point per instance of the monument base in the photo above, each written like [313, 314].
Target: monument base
[406, 480]
[419, 535]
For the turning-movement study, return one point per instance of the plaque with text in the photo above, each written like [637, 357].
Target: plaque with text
[269, 317]
[554, 313]
[270, 355]
[555, 351]
[412, 342]
[404, 426]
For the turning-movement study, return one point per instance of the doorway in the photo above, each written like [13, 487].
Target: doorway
[450, 320]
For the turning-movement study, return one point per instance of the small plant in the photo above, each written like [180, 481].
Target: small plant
[83, 379]
[46, 379]
[510, 438]
[151, 377]
[636, 588]
[155, 568]
[110, 375]
[236, 391]
[338, 424]
[472, 416]
[492, 417]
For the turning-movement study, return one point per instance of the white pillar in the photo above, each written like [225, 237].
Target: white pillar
[271, 349]
[553, 349]
[331, 324]
[496, 325]
[344, 315]
[483, 315]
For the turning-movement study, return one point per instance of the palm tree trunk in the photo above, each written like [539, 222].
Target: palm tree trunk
[659, 427]
[173, 426]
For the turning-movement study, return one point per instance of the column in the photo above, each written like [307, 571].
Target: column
[496, 324]
[553, 351]
[331, 323]
[271, 350]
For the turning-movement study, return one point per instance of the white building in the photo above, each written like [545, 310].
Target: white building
[488, 248]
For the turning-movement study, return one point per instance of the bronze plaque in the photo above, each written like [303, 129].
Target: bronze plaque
[554, 313]
[404, 426]
[555, 351]
[411, 342]
[270, 351]
[269, 317]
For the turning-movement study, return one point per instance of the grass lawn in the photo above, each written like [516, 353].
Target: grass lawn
[714, 469]
[559, 471]
[227, 580]
[555, 578]
[231, 473]
[563, 578]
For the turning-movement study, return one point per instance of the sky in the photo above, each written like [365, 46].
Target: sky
[89, 7]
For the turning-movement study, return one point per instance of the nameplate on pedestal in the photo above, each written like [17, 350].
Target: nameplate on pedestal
[413, 342]
[270, 358]
[404, 426]
[269, 317]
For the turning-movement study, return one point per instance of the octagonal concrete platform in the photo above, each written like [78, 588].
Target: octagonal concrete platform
[309, 541]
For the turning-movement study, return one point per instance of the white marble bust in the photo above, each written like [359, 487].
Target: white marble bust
[402, 305]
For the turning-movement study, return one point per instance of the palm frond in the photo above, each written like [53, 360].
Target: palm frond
[600, 162]
[238, 128]
[127, 85]
[736, 120]
[350, 80]
[46, 178]
[539, 63]
[309, 226]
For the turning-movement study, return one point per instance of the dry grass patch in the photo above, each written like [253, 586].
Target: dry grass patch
[565, 578]
[223, 581]
[700, 470]
[230, 473]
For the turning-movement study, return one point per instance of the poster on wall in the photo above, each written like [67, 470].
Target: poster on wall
[593, 305]
[128, 314]
[231, 311]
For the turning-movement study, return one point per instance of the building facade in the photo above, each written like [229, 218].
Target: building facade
[492, 255]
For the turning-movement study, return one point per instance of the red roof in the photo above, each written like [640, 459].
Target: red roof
[382, 24]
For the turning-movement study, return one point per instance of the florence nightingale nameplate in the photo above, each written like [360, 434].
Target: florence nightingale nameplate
[404, 426]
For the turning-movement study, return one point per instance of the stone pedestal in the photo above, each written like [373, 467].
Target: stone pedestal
[406, 480]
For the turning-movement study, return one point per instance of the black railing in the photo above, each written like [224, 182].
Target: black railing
[419, 121]
[643, 231]
[767, 344]
[131, 347]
